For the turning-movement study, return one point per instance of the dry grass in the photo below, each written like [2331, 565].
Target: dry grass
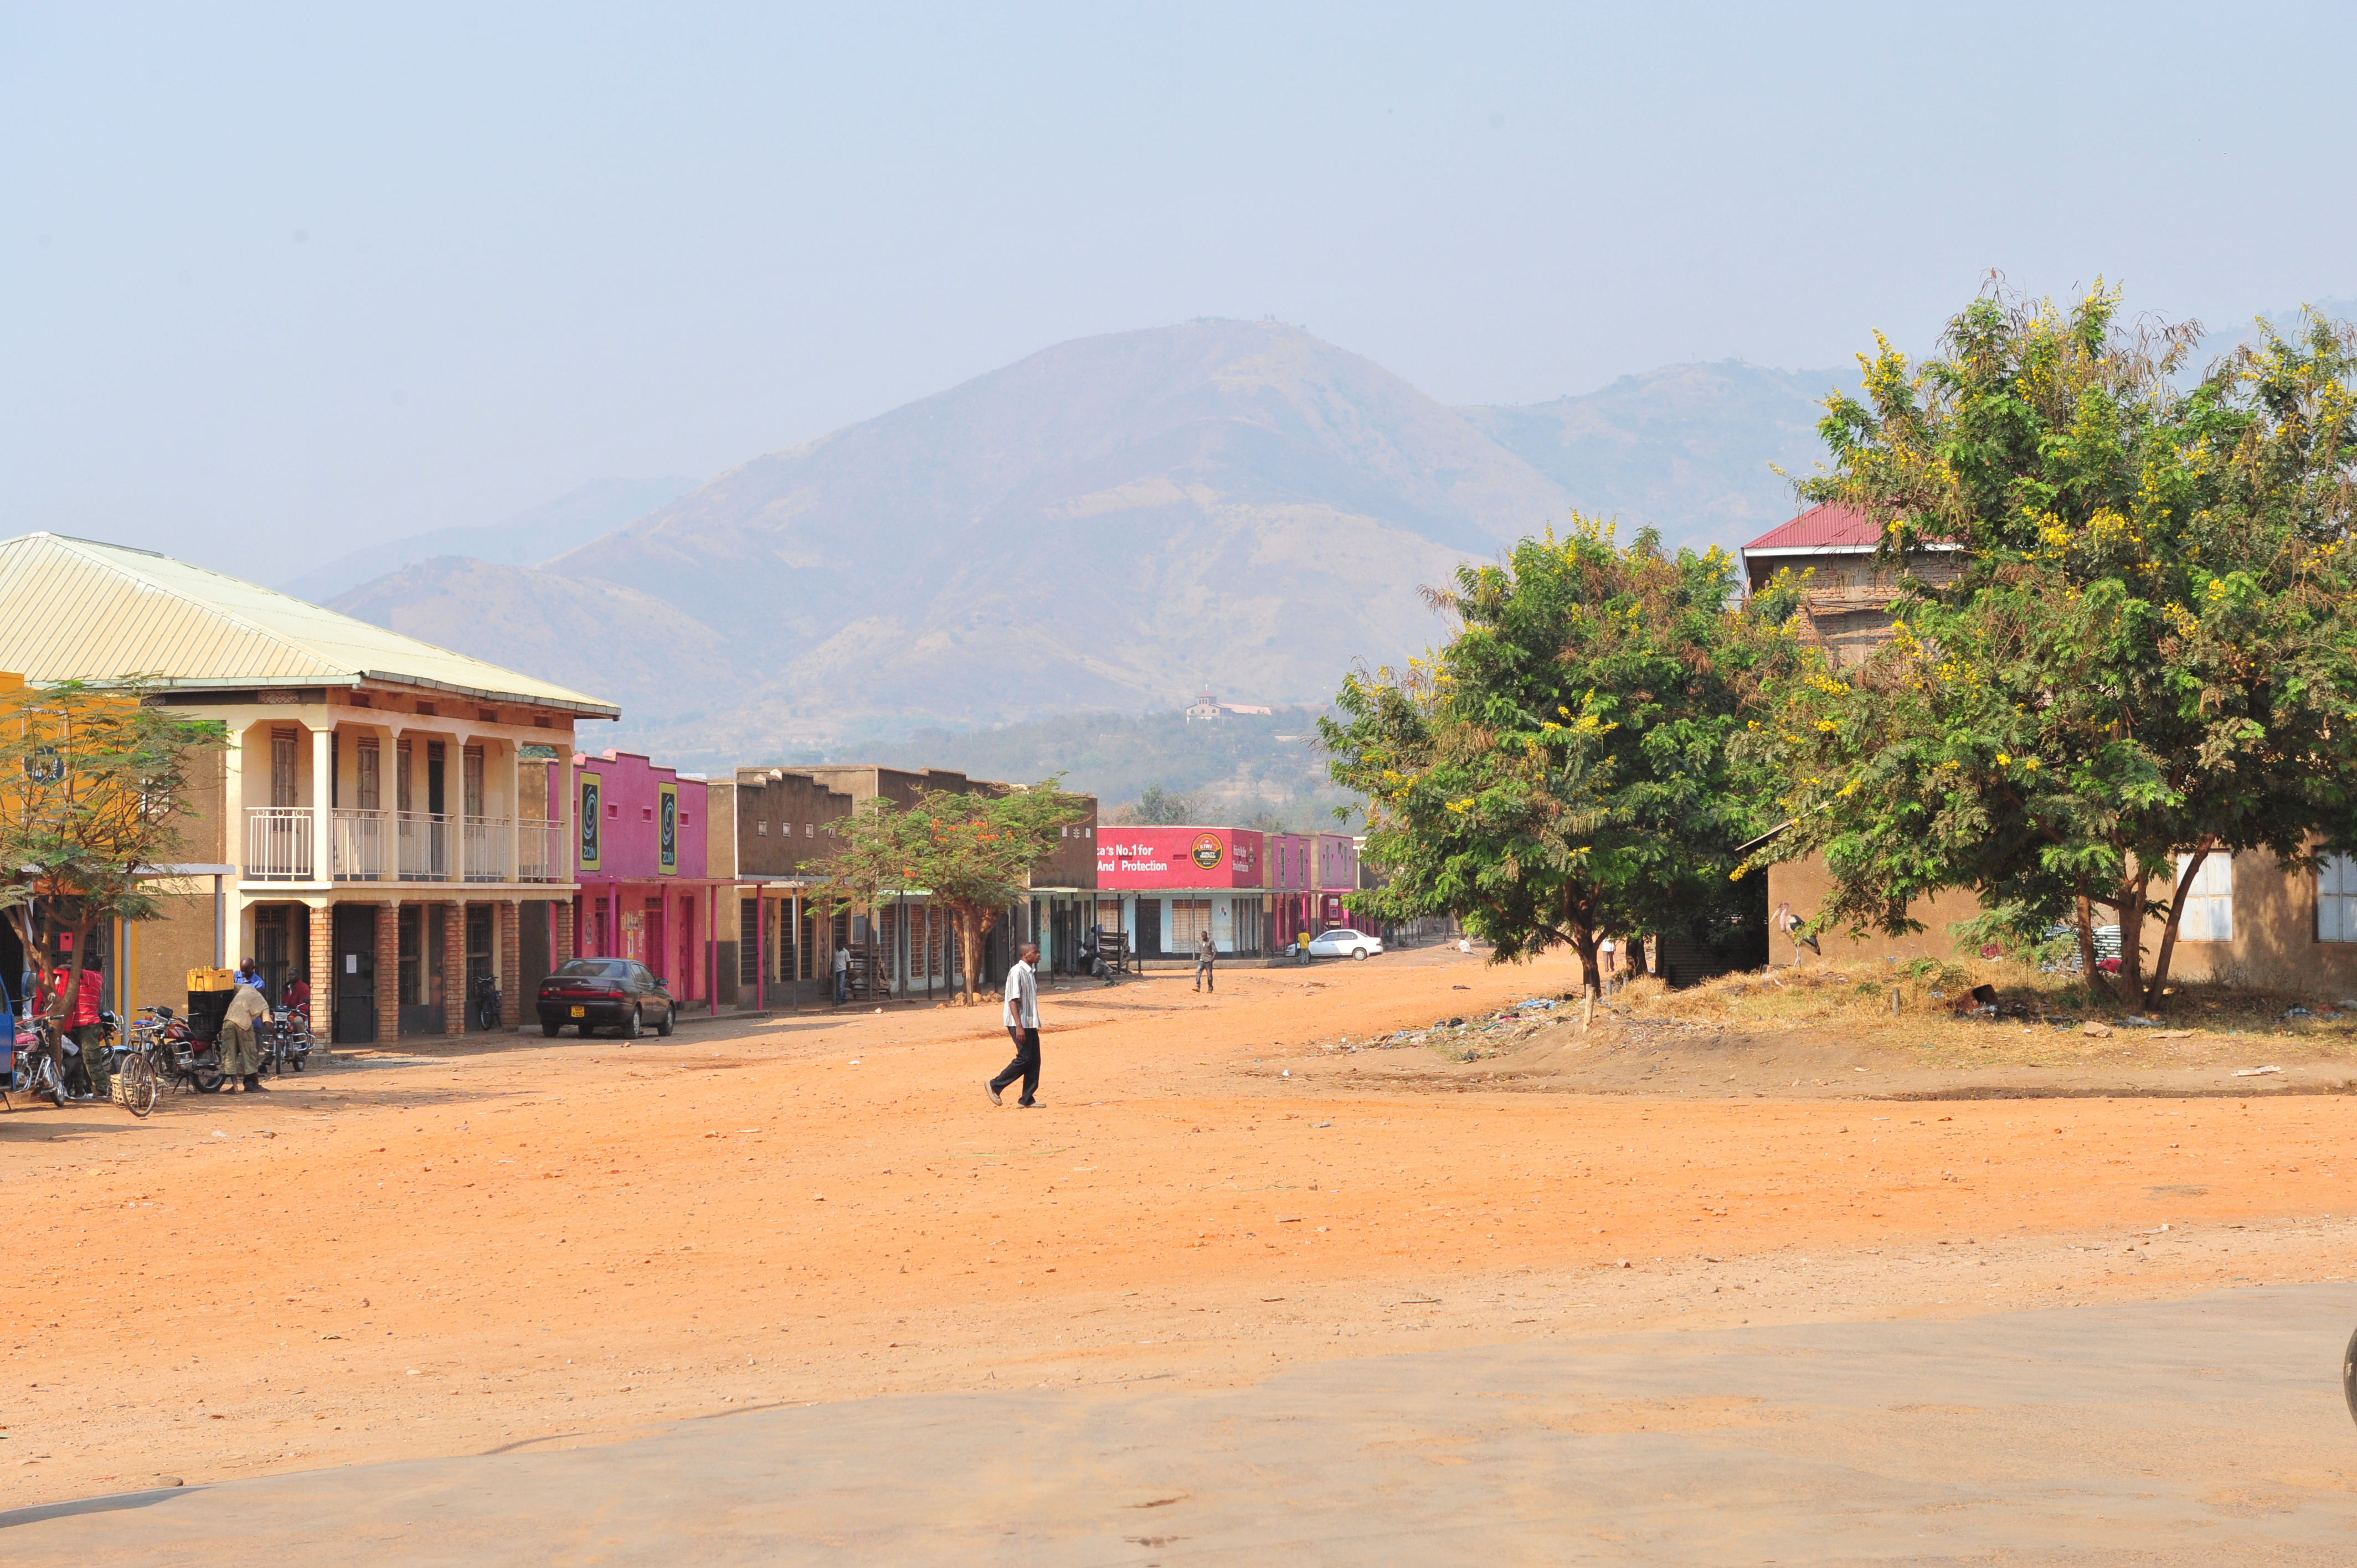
[2042, 1016]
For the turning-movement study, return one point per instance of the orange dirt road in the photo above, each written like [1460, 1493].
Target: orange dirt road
[520, 1241]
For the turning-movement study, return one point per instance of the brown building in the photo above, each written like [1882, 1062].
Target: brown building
[1845, 595]
[777, 947]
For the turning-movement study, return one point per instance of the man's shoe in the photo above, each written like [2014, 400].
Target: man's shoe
[1027, 1104]
[993, 1093]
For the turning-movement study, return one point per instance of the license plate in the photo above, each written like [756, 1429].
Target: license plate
[581, 1012]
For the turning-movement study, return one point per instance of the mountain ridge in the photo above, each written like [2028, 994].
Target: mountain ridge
[1113, 524]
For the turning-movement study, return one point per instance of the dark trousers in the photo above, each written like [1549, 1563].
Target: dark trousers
[1026, 1064]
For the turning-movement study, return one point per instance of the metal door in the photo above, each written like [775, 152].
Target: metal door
[355, 976]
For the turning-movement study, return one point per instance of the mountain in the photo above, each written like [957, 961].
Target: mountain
[1112, 524]
[549, 529]
[1687, 448]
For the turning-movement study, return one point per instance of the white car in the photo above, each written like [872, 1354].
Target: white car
[1343, 942]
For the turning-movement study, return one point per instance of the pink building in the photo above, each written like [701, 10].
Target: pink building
[639, 858]
[1165, 887]
[1308, 877]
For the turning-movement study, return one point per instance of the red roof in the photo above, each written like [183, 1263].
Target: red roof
[1830, 524]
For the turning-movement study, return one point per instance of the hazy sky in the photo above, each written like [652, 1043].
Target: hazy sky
[280, 282]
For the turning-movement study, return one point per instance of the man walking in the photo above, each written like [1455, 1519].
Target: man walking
[841, 973]
[1205, 952]
[1021, 1015]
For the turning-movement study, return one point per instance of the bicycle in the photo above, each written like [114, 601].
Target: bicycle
[487, 1003]
[176, 1056]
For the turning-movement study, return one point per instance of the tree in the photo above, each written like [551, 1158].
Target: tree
[974, 853]
[1558, 770]
[95, 802]
[872, 855]
[2147, 657]
[1158, 807]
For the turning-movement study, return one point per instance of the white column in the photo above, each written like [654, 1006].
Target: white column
[322, 776]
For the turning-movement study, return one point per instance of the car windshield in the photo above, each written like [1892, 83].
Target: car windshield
[602, 968]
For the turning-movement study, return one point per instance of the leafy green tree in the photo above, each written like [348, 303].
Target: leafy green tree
[96, 800]
[2145, 654]
[1558, 770]
[974, 853]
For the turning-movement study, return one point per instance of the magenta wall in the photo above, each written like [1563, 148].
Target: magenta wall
[1286, 861]
[630, 819]
[1337, 862]
[1169, 857]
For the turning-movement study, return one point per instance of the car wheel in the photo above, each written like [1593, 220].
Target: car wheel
[670, 1018]
[635, 1024]
[549, 1029]
[1359, 953]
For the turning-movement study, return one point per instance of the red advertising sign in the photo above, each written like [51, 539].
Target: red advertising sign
[1178, 857]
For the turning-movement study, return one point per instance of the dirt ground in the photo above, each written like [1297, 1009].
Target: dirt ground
[515, 1241]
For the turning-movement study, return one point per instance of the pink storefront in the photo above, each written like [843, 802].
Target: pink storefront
[1164, 888]
[1307, 876]
[640, 857]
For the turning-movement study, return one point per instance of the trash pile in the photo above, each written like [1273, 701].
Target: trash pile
[1471, 1038]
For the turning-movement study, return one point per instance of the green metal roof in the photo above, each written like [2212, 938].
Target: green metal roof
[76, 609]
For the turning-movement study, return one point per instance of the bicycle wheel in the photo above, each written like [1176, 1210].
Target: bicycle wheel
[137, 1078]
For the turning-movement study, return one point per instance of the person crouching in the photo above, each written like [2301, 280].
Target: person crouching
[240, 1058]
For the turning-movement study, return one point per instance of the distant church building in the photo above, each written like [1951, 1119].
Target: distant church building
[1208, 707]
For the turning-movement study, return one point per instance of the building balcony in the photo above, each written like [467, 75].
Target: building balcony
[283, 843]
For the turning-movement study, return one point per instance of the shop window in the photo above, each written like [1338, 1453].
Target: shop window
[2336, 898]
[2209, 915]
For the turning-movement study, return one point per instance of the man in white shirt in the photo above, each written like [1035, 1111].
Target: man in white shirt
[1021, 1017]
[842, 974]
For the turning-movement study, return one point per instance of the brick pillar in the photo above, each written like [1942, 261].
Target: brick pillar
[319, 968]
[510, 963]
[388, 973]
[564, 907]
[453, 970]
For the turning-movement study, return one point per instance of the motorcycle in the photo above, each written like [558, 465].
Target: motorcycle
[289, 1045]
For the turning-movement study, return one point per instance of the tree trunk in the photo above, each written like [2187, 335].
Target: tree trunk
[2168, 932]
[970, 932]
[2130, 988]
[1592, 975]
[1633, 950]
[2095, 980]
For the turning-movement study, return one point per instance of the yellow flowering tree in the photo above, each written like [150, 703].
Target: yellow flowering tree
[1557, 771]
[2147, 658]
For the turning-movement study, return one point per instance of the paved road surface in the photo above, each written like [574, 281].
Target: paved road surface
[2208, 1432]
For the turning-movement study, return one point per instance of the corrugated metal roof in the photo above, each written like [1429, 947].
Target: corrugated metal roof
[1831, 524]
[78, 609]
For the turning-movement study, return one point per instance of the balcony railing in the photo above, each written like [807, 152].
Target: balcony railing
[278, 841]
[283, 844]
[541, 850]
[485, 855]
[424, 838]
[360, 845]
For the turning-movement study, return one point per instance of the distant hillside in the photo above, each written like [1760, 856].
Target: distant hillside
[1687, 448]
[1239, 768]
[533, 535]
[1110, 525]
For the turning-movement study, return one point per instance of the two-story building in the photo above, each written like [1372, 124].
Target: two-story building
[386, 817]
[640, 858]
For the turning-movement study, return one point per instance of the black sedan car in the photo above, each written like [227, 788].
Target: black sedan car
[606, 994]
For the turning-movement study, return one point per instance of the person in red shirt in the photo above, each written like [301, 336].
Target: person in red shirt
[82, 1025]
[299, 995]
